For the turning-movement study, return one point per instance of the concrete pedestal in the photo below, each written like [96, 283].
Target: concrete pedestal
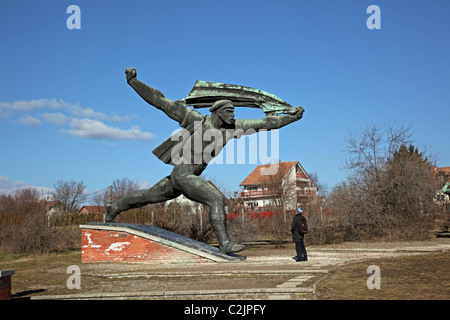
[123, 242]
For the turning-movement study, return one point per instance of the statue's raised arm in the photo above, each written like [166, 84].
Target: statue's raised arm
[175, 110]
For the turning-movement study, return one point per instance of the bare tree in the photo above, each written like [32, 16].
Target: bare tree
[391, 186]
[21, 202]
[118, 189]
[369, 151]
[322, 188]
[100, 199]
[69, 193]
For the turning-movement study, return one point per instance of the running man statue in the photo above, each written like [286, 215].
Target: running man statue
[184, 179]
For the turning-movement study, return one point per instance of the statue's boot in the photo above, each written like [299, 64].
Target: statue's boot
[112, 210]
[230, 247]
[225, 244]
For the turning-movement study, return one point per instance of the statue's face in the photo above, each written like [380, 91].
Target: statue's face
[227, 114]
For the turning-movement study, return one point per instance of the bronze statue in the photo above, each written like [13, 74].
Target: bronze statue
[446, 188]
[190, 162]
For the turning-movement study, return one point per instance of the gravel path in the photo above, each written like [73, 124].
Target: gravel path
[264, 275]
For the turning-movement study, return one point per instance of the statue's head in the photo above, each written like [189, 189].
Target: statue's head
[224, 109]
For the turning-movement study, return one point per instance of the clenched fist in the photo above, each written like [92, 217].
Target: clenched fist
[131, 73]
[299, 112]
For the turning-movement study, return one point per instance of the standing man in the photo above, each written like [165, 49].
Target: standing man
[299, 228]
[185, 177]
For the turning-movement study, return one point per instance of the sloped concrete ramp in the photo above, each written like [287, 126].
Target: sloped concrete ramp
[124, 242]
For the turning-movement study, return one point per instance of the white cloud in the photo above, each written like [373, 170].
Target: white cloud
[115, 117]
[57, 119]
[72, 109]
[7, 187]
[24, 106]
[94, 129]
[37, 104]
[78, 111]
[84, 122]
[30, 120]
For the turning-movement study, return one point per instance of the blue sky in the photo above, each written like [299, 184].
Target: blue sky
[66, 111]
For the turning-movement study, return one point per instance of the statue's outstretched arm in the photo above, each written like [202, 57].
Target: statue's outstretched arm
[174, 110]
[446, 188]
[272, 122]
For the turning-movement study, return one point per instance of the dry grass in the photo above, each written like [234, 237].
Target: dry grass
[415, 276]
[32, 272]
[412, 277]
[46, 275]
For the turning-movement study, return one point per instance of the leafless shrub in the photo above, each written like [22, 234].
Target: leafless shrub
[33, 236]
[390, 193]
[244, 229]
[196, 226]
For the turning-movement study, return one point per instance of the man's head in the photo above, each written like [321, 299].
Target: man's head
[225, 111]
[299, 211]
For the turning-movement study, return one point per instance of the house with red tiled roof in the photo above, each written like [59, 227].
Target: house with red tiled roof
[284, 181]
[443, 173]
[51, 208]
[92, 209]
[47, 205]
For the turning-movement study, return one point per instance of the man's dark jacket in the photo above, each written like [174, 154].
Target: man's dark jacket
[297, 234]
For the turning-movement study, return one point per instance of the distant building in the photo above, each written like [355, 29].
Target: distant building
[51, 208]
[289, 183]
[443, 173]
[183, 202]
[92, 209]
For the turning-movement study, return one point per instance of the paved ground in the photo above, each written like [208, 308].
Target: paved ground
[262, 276]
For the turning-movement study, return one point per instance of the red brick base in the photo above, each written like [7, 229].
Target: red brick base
[117, 246]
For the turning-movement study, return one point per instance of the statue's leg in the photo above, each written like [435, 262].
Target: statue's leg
[198, 189]
[160, 192]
